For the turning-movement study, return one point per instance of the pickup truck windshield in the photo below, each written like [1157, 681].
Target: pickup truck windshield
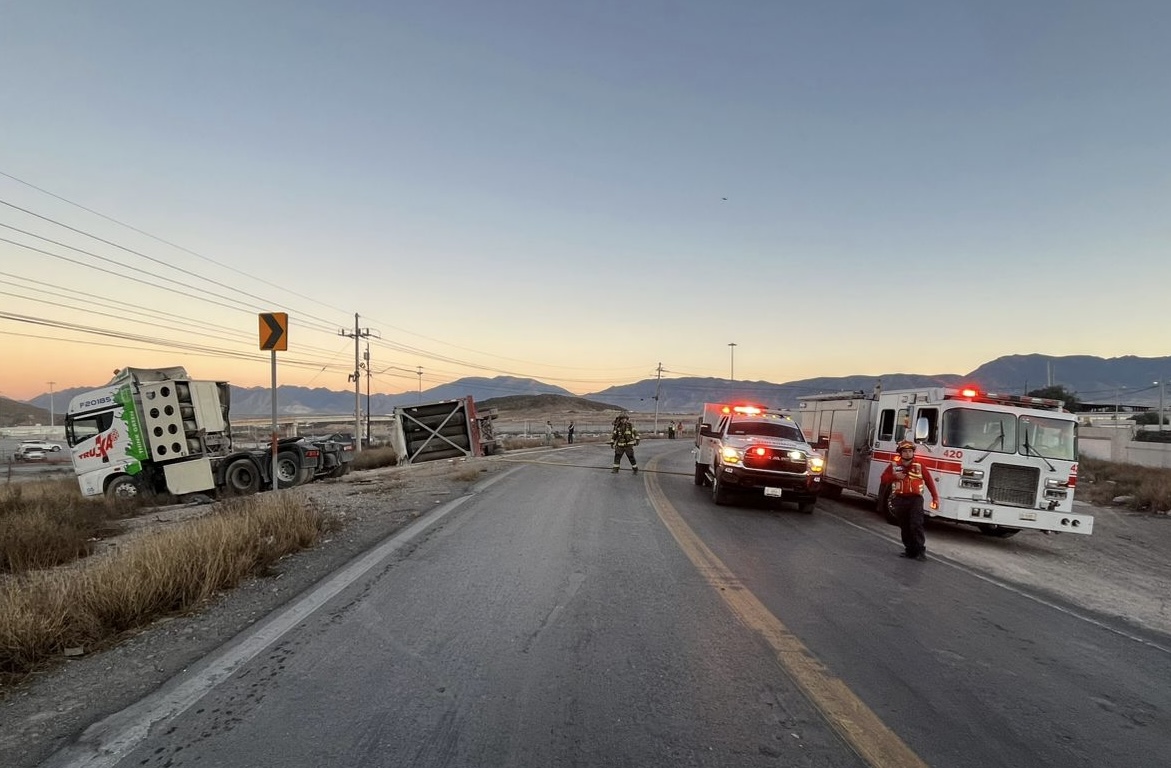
[766, 429]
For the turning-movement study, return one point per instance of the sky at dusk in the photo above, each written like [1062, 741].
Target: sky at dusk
[578, 192]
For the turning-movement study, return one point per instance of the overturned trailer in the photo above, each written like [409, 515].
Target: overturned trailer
[444, 430]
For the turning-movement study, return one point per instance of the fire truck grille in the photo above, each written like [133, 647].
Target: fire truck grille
[774, 460]
[1008, 484]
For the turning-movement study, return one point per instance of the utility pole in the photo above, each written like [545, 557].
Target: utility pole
[357, 335]
[367, 394]
[732, 361]
[658, 382]
[419, 399]
[53, 414]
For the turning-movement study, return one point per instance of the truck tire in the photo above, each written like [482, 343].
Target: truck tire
[242, 478]
[883, 507]
[123, 487]
[288, 469]
[806, 506]
[720, 494]
[831, 491]
[998, 531]
[700, 474]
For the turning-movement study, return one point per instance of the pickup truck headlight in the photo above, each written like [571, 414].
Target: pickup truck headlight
[816, 464]
[730, 455]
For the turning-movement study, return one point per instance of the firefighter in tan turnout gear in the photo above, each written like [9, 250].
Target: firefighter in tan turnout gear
[907, 478]
[623, 438]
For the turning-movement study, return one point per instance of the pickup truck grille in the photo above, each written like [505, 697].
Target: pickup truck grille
[1017, 486]
[775, 460]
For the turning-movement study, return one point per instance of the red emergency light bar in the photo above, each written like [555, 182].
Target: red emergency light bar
[976, 396]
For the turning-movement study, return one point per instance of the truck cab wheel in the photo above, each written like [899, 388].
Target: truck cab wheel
[242, 478]
[288, 469]
[123, 487]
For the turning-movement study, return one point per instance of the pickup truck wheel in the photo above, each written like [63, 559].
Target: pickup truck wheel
[242, 478]
[720, 494]
[806, 507]
[123, 487]
[700, 475]
[831, 491]
[288, 469]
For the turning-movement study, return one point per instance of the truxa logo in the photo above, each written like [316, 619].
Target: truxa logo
[102, 445]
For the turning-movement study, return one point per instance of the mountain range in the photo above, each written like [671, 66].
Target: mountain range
[1126, 380]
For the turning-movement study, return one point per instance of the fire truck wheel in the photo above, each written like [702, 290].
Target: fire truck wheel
[123, 487]
[884, 507]
[720, 494]
[700, 475]
[288, 469]
[242, 478]
[998, 531]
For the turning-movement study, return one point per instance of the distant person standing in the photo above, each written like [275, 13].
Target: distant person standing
[623, 438]
[670, 430]
[569, 431]
[548, 432]
[907, 479]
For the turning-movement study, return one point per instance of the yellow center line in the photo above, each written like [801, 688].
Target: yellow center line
[846, 713]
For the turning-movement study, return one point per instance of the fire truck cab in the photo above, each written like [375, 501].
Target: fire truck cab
[1003, 463]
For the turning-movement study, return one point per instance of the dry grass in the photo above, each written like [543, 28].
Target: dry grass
[47, 523]
[373, 458]
[89, 604]
[1147, 488]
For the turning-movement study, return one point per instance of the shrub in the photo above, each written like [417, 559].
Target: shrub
[89, 604]
[47, 523]
[1100, 482]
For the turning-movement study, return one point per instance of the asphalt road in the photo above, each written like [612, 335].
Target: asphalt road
[567, 616]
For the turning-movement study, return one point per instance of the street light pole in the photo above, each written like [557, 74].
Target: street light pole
[732, 361]
[420, 398]
[1162, 387]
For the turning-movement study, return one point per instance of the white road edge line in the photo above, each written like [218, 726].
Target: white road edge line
[107, 741]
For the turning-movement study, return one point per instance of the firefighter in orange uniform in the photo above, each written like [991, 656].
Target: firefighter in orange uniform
[907, 478]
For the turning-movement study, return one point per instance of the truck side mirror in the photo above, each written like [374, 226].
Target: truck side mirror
[705, 430]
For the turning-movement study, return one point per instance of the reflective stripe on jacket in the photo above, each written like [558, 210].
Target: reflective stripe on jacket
[624, 436]
[913, 483]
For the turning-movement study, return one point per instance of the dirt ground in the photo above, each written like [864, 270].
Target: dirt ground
[1123, 570]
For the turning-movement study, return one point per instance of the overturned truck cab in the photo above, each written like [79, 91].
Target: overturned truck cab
[155, 431]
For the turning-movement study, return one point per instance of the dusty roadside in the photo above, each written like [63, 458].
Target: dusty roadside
[46, 712]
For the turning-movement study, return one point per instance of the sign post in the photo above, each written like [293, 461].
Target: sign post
[274, 336]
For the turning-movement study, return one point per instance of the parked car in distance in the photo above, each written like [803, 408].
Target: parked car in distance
[27, 448]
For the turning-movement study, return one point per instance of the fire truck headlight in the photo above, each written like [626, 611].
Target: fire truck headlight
[972, 478]
[1053, 482]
